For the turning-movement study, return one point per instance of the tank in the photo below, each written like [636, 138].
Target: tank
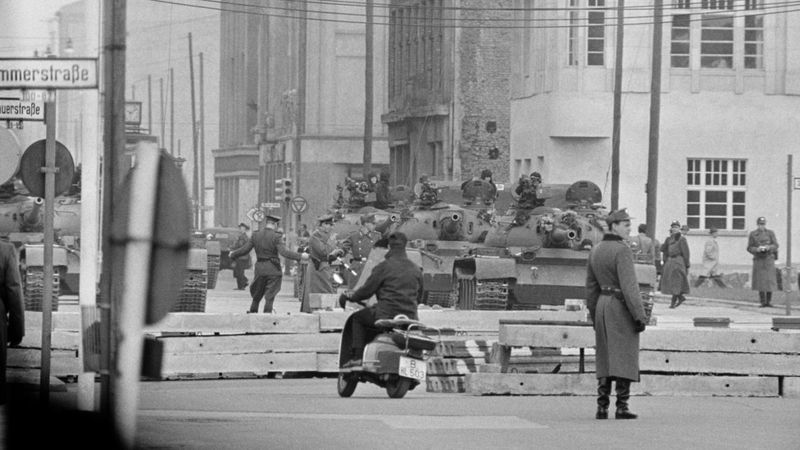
[535, 257]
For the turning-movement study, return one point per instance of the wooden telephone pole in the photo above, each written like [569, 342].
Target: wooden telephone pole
[368, 89]
[655, 120]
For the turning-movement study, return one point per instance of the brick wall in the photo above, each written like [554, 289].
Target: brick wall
[484, 90]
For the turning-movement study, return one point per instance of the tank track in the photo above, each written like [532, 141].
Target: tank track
[213, 270]
[34, 289]
[192, 297]
[487, 295]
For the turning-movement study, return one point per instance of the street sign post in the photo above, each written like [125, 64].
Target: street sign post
[48, 73]
[299, 205]
[271, 205]
[17, 109]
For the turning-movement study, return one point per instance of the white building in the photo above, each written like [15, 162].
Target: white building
[730, 111]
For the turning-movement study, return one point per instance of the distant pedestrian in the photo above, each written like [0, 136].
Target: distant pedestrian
[763, 245]
[243, 262]
[644, 250]
[674, 279]
[615, 307]
[268, 243]
[711, 260]
[12, 316]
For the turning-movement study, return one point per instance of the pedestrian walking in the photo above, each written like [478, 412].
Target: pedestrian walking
[268, 244]
[243, 262]
[644, 250]
[763, 245]
[323, 250]
[615, 307]
[674, 278]
[711, 260]
[12, 316]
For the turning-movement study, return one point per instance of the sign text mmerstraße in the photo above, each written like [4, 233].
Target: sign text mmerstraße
[48, 73]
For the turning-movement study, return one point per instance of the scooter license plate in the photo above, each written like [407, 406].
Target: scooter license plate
[412, 368]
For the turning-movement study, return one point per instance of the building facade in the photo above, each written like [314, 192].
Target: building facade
[312, 135]
[448, 113]
[729, 83]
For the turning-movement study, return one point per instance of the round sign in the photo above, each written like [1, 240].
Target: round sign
[10, 152]
[299, 205]
[259, 216]
[30, 168]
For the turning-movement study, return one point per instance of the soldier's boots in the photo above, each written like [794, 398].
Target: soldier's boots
[603, 393]
[623, 388]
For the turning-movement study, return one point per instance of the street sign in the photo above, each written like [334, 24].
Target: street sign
[250, 213]
[796, 182]
[48, 73]
[16, 109]
[30, 168]
[259, 216]
[299, 205]
[271, 205]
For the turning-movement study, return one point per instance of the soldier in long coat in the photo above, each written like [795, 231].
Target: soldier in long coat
[243, 262]
[615, 306]
[319, 274]
[674, 277]
[763, 245]
[359, 244]
[268, 243]
[12, 309]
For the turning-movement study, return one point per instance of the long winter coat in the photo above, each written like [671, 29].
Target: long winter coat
[764, 276]
[12, 309]
[318, 279]
[674, 280]
[617, 342]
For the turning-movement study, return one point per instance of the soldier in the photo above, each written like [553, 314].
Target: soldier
[359, 244]
[243, 262]
[382, 197]
[268, 243]
[615, 306]
[674, 278]
[319, 274]
[763, 245]
[529, 191]
[644, 249]
[12, 309]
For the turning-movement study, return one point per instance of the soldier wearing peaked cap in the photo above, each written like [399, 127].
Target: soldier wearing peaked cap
[763, 245]
[615, 306]
[359, 244]
[243, 262]
[268, 243]
[323, 250]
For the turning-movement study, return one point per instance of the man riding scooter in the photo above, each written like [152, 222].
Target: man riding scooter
[397, 284]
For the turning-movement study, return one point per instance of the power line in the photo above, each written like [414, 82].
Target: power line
[606, 23]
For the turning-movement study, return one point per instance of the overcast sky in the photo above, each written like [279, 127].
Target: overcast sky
[24, 25]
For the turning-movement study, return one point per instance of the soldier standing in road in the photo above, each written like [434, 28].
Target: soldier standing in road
[268, 243]
[243, 262]
[674, 278]
[615, 306]
[763, 245]
[323, 250]
[359, 244]
[12, 316]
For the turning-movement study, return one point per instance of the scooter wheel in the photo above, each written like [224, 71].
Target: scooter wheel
[346, 385]
[397, 386]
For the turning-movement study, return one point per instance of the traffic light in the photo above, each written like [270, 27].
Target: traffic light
[283, 190]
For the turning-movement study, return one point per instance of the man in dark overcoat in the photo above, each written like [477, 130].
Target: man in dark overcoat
[323, 250]
[268, 243]
[396, 282]
[359, 244]
[615, 306]
[12, 311]
[763, 245]
[243, 262]
[675, 274]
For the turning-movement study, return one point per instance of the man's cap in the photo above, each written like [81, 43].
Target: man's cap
[712, 230]
[272, 218]
[761, 220]
[325, 218]
[675, 223]
[536, 175]
[398, 240]
[244, 225]
[618, 216]
[486, 173]
[367, 218]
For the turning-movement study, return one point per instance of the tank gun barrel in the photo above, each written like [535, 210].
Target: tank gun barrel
[32, 217]
[560, 235]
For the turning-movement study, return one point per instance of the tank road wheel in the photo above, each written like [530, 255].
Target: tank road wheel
[397, 386]
[346, 384]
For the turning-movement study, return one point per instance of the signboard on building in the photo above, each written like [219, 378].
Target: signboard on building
[796, 181]
[48, 73]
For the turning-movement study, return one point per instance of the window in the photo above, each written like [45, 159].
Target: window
[729, 35]
[715, 194]
[595, 33]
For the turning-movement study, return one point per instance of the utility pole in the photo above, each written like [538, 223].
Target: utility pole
[161, 115]
[787, 280]
[301, 92]
[368, 89]
[655, 119]
[202, 166]
[172, 112]
[149, 104]
[195, 159]
[113, 145]
[615, 134]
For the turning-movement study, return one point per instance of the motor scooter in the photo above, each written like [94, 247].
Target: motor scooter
[395, 359]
